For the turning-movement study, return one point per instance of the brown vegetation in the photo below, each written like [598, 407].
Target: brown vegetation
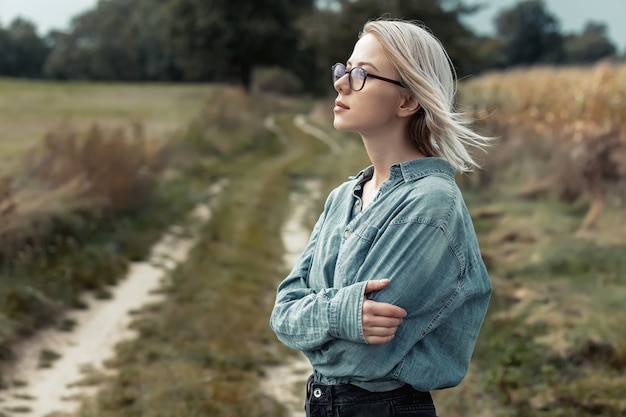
[7, 205]
[104, 167]
[56, 210]
[72, 171]
[578, 113]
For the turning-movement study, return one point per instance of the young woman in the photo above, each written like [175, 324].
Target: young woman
[388, 297]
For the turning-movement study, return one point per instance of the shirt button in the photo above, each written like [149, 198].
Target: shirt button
[346, 234]
[317, 392]
[357, 203]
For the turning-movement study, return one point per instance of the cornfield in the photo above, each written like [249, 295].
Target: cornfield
[579, 112]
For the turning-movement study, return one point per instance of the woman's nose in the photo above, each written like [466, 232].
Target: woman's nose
[342, 84]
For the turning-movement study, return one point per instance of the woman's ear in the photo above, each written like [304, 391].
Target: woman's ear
[408, 106]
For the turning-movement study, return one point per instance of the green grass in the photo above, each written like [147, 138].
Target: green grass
[553, 342]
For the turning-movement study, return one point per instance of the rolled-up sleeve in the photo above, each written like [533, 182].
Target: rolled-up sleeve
[303, 319]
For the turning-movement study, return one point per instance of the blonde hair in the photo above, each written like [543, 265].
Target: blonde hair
[426, 70]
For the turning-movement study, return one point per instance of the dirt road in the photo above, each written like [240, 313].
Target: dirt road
[38, 391]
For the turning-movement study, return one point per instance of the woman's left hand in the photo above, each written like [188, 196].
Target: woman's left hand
[380, 320]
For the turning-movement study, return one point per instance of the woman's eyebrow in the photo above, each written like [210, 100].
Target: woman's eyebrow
[363, 63]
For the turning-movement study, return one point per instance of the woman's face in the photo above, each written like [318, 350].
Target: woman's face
[373, 109]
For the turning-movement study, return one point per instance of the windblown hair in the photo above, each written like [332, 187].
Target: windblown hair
[425, 69]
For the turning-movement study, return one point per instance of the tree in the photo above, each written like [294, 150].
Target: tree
[23, 51]
[6, 57]
[590, 46]
[530, 34]
[117, 40]
[225, 39]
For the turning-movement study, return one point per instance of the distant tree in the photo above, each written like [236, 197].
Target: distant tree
[491, 54]
[117, 40]
[66, 60]
[590, 46]
[23, 52]
[6, 52]
[226, 39]
[530, 34]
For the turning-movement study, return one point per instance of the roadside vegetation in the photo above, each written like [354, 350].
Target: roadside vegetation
[550, 213]
[86, 199]
[553, 343]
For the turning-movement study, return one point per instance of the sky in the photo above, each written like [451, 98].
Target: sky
[572, 14]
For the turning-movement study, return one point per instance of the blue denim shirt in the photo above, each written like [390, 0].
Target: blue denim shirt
[417, 233]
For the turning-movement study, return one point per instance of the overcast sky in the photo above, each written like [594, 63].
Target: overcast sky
[573, 14]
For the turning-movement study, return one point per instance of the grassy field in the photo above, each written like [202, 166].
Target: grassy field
[78, 203]
[30, 109]
[553, 344]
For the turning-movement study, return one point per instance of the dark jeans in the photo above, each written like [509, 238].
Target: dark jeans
[351, 401]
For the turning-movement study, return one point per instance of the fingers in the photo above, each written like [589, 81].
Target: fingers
[379, 335]
[375, 308]
[375, 285]
[381, 321]
[378, 340]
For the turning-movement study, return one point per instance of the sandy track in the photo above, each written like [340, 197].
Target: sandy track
[286, 382]
[37, 391]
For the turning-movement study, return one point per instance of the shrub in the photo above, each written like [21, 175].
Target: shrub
[108, 169]
[276, 80]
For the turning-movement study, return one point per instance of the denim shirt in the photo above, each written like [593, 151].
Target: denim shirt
[417, 233]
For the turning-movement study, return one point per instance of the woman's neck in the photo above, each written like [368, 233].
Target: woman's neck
[385, 152]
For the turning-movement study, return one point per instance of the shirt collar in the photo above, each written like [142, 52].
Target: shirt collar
[412, 170]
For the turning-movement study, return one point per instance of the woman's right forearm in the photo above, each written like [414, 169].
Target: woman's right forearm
[306, 320]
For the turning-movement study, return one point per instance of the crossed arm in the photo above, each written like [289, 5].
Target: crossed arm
[369, 311]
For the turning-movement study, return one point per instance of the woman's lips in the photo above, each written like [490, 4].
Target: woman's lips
[340, 106]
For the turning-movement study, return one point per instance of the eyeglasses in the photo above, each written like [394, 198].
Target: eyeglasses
[357, 76]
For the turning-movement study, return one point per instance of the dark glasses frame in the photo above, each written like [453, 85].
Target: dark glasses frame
[365, 75]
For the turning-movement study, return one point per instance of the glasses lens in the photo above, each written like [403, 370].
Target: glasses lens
[357, 75]
[339, 70]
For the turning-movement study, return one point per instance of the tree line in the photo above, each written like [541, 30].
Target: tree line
[226, 40]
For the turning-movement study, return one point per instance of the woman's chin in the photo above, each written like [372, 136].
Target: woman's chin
[338, 125]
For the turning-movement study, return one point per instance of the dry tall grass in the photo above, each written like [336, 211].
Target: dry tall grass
[571, 103]
[106, 167]
[579, 111]
[72, 191]
[553, 343]
[30, 109]
[69, 171]
[7, 205]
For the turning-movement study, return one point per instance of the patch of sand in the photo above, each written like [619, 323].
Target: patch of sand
[286, 382]
[36, 391]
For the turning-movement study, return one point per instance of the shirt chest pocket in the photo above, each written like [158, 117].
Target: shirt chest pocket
[354, 248]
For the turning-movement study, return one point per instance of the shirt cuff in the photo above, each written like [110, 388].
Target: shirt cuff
[345, 313]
